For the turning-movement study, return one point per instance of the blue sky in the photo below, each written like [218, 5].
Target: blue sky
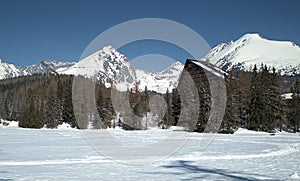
[34, 30]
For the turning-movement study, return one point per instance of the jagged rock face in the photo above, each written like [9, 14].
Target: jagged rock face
[110, 66]
[106, 65]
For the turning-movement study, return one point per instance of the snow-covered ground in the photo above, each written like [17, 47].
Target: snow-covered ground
[65, 154]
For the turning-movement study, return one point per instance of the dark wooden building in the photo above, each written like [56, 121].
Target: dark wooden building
[210, 82]
[195, 71]
[203, 72]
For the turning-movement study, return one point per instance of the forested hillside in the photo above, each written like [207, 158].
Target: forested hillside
[37, 100]
[254, 101]
[40, 101]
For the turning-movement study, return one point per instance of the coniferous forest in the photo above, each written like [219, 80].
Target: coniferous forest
[254, 101]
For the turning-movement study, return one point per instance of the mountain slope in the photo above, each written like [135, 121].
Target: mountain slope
[106, 65]
[160, 82]
[40, 69]
[110, 66]
[252, 49]
[8, 70]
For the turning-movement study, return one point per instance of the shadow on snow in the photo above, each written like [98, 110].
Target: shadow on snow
[192, 172]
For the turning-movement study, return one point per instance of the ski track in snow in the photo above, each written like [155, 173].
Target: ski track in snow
[58, 162]
[194, 156]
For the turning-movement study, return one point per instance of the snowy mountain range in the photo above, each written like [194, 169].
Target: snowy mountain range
[253, 49]
[40, 69]
[108, 66]
[9, 70]
[111, 67]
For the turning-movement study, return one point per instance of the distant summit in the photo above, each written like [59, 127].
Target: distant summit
[111, 67]
[253, 49]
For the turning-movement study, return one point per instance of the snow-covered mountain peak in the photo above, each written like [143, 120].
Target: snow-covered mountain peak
[106, 65]
[109, 49]
[252, 49]
[8, 70]
[175, 67]
[251, 36]
[112, 67]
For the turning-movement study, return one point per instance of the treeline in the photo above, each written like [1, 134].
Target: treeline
[255, 102]
[37, 101]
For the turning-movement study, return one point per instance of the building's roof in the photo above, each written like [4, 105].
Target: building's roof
[209, 67]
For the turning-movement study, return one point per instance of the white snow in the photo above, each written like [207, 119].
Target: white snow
[246, 131]
[65, 126]
[10, 123]
[160, 82]
[287, 95]
[177, 128]
[252, 49]
[65, 154]
[295, 176]
[8, 70]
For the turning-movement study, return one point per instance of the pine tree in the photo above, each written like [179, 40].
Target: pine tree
[256, 105]
[67, 105]
[176, 106]
[53, 107]
[168, 120]
[244, 99]
[277, 102]
[232, 110]
[295, 106]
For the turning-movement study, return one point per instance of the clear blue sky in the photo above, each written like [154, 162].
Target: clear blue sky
[32, 30]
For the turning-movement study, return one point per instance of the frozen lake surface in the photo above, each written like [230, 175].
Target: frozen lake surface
[66, 154]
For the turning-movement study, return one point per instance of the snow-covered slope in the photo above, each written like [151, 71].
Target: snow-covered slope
[160, 82]
[38, 68]
[8, 70]
[110, 66]
[106, 65]
[252, 49]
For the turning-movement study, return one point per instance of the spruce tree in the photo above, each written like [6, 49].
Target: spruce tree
[232, 110]
[295, 106]
[176, 106]
[53, 107]
[256, 105]
[168, 120]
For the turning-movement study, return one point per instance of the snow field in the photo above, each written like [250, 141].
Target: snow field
[64, 154]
